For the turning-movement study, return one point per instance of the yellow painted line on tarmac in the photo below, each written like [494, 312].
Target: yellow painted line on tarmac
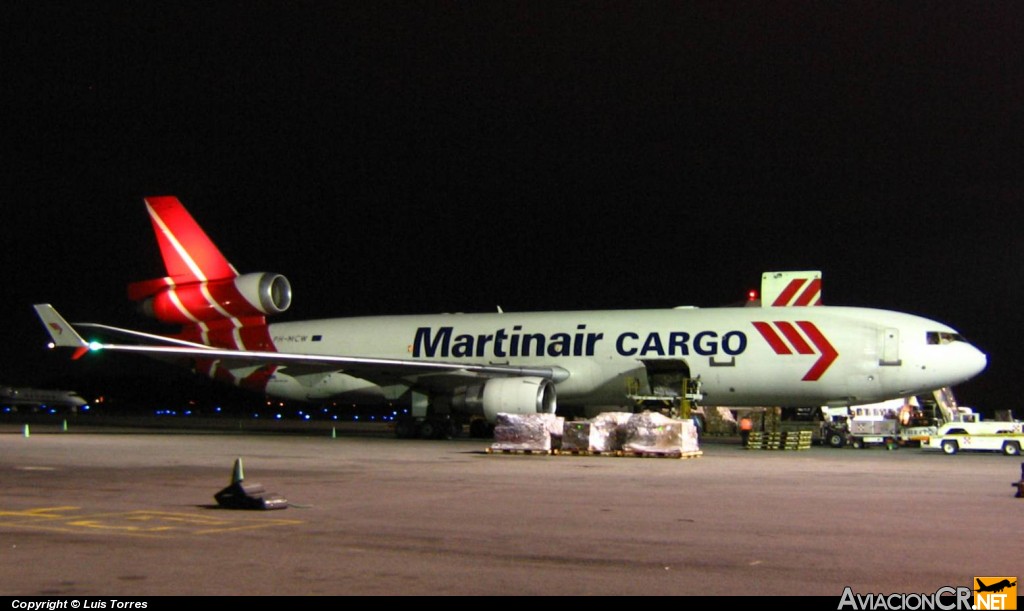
[39, 512]
[141, 523]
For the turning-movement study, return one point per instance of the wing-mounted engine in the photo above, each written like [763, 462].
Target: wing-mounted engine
[525, 395]
[256, 294]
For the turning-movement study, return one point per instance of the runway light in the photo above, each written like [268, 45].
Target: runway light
[306, 417]
[216, 409]
[278, 416]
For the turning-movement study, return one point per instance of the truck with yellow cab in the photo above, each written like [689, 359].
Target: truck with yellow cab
[989, 435]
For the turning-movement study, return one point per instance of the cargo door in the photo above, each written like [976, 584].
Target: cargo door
[890, 348]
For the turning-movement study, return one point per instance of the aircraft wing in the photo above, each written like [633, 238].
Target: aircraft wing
[64, 335]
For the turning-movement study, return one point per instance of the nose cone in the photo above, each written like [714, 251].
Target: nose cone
[966, 363]
[974, 362]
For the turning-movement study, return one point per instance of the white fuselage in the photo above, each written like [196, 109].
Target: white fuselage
[746, 356]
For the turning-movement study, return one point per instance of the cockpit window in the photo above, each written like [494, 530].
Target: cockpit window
[942, 337]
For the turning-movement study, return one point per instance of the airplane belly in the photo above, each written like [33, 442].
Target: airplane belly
[320, 387]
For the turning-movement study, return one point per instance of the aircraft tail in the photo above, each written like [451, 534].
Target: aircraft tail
[780, 289]
[202, 290]
[189, 254]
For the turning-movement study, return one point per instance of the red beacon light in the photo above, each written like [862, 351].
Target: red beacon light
[751, 295]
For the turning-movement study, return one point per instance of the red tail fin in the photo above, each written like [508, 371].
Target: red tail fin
[201, 286]
[189, 254]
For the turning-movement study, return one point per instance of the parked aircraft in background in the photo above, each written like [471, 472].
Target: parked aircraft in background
[35, 397]
[450, 367]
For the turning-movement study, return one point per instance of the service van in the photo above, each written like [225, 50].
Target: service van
[991, 435]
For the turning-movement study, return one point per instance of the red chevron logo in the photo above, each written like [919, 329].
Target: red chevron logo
[789, 339]
[793, 296]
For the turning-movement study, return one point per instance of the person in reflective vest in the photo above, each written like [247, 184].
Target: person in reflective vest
[746, 425]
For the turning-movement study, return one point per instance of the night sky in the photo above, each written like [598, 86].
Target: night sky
[426, 157]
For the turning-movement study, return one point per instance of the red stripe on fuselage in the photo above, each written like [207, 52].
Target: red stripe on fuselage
[794, 337]
[258, 379]
[828, 352]
[773, 339]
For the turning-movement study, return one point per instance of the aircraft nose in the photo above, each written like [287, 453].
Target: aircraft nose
[975, 362]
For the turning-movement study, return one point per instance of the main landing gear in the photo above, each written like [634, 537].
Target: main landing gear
[427, 428]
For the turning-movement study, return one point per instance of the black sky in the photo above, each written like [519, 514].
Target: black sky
[424, 157]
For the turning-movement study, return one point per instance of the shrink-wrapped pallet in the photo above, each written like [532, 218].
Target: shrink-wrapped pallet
[523, 432]
[603, 433]
[576, 436]
[653, 433]
[556, 427]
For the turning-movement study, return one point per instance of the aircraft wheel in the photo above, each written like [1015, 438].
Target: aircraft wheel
[428, 429]
[478, 429]
[1011, 448]
[405, 429]
[950, 447]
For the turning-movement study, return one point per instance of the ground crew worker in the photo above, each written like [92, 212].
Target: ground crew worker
[746, 425]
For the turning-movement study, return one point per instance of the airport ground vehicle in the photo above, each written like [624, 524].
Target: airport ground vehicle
[993, 436]
[893, 423]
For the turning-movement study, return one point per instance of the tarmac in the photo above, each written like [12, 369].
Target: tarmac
[130, 512]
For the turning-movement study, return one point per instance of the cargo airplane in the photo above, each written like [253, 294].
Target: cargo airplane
[790, 351]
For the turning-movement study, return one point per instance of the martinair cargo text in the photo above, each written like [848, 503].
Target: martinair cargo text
[455, 366]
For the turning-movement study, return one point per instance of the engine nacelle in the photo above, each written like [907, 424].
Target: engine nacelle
[529, 395]
[249, 295]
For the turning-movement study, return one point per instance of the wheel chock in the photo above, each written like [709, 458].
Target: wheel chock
[240, 495]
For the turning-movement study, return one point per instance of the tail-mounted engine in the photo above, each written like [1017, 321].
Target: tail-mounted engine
[248, 295]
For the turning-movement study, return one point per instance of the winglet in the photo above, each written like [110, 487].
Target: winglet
[60, 330]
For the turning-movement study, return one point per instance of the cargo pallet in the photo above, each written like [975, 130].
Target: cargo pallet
[630, 453]
[795, 440]
[678, 455]
[617, 453]
[564, 452]
[537, 452]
